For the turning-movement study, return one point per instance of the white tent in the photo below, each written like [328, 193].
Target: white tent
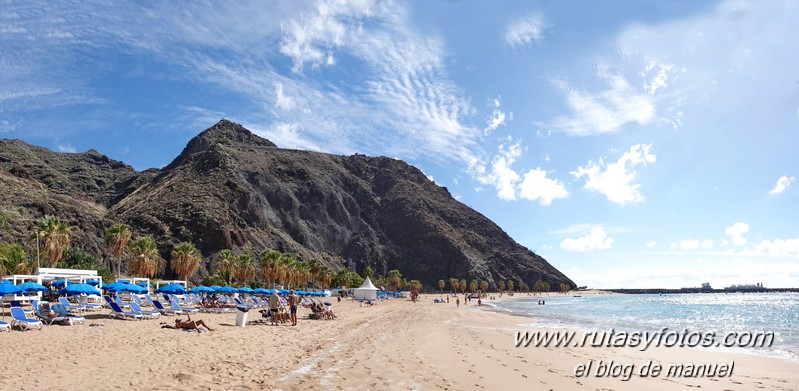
[366, 291]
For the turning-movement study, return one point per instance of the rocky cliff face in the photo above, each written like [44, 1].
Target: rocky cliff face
[232, 189]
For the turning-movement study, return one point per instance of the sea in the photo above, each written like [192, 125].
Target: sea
[718, 313]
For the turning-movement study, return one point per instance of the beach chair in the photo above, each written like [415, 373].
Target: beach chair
[5, 326]
[139, 301]
[69, 306]
[61, 311]
[48, 320]
[89, 306]
[174, 304]
[16, 303]
[163, 310]
[134, 307]
[20, 319]
[117, 312]
[122, 304]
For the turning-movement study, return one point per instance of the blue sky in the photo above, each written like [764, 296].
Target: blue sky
[632, 144]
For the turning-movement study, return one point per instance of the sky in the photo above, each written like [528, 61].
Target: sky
[632, 144]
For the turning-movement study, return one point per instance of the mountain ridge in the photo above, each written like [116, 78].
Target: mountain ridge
[229, 188]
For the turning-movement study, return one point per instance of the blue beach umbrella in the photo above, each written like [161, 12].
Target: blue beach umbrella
[58, 283]
[216, 288]
[31, 286]
[79, 289]
[124, 281]
[126, 288]
[6, 287]
[92, 282]
[142, 284]
[201, 289]
[226, 289]
[172, 289]
[111, 286]
[245, 289]
[260, 291]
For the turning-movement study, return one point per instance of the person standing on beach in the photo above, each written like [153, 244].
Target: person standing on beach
[274, 307]
[293, 302]
[457, 302]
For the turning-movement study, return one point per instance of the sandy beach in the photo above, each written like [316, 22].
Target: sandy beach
[394, 345]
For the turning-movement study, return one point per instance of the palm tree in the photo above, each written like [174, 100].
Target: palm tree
[462, 285]
[225, 265]
[315, 268]
[14, 259]
[186, 260]
[484, 286]
[454, 284]
[117, 238]
[146, 260]
[368, 272]
[325, 276]
[510, 285]
[245, 268]
[473, 286]
[415, 287]
[55, 234]
[394, 279]
[269, 266]
[441, 285]
[501, 285]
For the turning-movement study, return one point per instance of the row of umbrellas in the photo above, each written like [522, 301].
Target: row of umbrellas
[7, 287]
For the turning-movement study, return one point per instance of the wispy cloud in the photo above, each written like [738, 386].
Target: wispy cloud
[526, 31]
[604, 111]
[497, 118]
[782, 183]
[617, 180]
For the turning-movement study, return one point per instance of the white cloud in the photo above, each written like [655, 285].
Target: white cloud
[525, 31]
[778, 247]
[534, 185]
[67, 148]
[737, 233]
[497, 118]
[597, 239]
[617, 180]
[782, 183]
[650, 244]
[283, 101]
[707, 244]
[661, 76]
[603, 112]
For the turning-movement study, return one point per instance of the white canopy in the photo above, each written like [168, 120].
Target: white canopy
[366, 291]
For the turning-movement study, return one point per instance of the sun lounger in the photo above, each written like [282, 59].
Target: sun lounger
[48, 320]
[160, 308]
[134, 307]
[16, 303]
[5, 326]
[69, 306]
[174, 304]
[117, 312]
[21, 320]
[60, 310]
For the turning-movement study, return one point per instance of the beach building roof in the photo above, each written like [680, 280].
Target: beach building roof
[367, 284]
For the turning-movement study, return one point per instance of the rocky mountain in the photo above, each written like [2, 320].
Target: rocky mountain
[232, 189]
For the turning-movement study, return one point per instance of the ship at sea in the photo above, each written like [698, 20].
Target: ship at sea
[746, 288]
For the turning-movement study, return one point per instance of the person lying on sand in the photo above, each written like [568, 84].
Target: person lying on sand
[189, 324]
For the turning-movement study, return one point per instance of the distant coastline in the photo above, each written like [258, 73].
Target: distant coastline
[644, 291]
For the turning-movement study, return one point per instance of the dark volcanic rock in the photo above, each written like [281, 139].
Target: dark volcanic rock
[232, 189]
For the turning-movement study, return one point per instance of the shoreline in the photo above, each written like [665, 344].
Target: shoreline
[393, 345]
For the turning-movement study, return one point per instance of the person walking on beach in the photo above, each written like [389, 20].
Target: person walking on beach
[293, 302]
[457, 302]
